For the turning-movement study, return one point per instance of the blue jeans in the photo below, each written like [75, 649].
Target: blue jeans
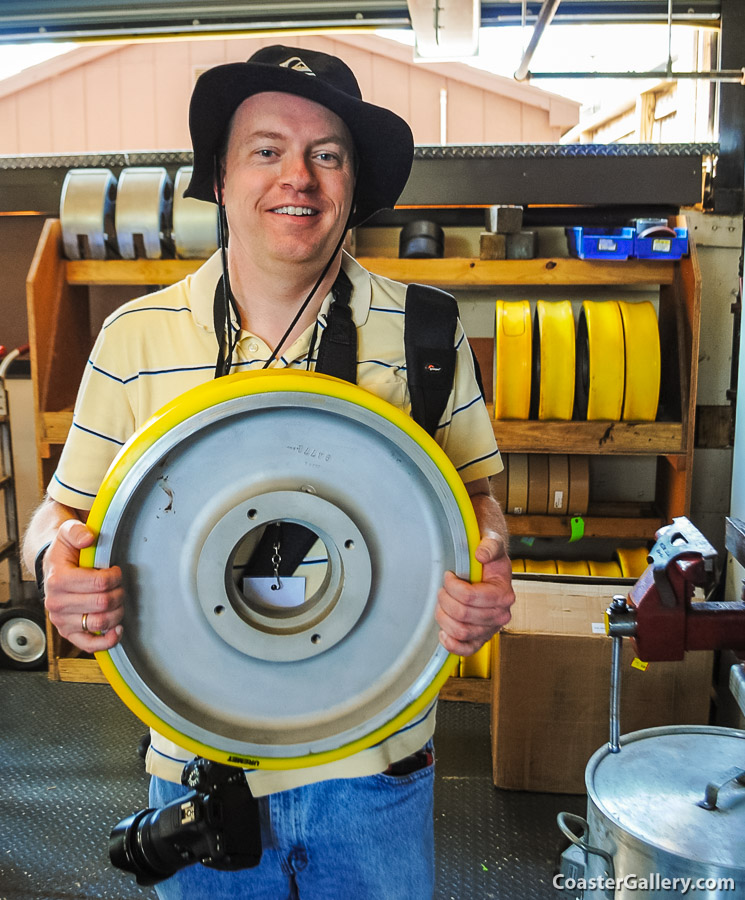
[369, 838]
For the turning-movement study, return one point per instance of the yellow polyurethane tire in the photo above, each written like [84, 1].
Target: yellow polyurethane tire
[228, 388]
[541, 566]
[557, 352]
[605, 569]
[572, 567]
[632, 560]
[641, 337]
[607, 359]
[512, 360]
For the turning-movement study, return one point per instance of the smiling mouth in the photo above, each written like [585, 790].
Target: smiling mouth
[295, 211]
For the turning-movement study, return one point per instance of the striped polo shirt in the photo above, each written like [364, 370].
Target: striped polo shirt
[156, 347]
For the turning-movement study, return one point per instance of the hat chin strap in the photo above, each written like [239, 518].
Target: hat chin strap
[225, 302]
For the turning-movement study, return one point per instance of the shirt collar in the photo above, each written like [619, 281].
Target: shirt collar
[204, 282]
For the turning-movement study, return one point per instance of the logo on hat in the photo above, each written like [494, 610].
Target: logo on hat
[294, 62]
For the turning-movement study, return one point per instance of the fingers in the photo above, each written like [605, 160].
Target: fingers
[490, 548]
[72, 592]
[471, 614]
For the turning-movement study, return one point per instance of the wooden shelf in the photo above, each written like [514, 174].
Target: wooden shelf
[470, 272]
[618, 438]
[616, 527]
[451, 272]
[471, 690]
[129, 271]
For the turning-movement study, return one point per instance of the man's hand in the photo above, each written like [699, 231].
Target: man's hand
[72, 592]
[471, 614]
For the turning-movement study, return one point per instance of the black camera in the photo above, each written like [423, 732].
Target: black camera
[216, 824]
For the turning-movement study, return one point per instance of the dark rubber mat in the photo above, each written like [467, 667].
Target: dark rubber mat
[70, 771]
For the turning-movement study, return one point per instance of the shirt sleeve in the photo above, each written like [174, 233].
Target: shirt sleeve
[465, 431]
[102, 422]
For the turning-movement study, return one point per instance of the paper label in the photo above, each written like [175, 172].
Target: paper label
[265, 590]
[638, 664]
[558, 499]
[598, 628]
[607, 244]
[661, 245]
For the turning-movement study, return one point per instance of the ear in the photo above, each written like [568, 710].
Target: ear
[218, 179]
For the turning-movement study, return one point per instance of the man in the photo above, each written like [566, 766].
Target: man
[287, 147]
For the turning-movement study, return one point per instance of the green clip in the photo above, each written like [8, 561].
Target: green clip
[578, 528]
[529, 541]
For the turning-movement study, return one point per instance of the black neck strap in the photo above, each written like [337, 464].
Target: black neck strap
[337, 350]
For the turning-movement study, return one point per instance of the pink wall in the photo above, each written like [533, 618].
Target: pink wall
[135, 96]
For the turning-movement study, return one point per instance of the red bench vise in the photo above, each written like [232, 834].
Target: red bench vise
[660, 614]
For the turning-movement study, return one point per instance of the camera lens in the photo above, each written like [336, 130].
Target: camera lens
[144, 844]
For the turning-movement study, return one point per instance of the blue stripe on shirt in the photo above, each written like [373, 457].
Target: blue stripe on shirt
[98, 434]
[139, 309]
[473, 462]
[68, 487]
[147, 373]
[385, 309]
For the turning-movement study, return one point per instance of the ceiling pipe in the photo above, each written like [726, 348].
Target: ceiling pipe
[736, 76]
[542, 22]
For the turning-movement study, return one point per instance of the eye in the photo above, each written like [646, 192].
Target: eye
[328, 157]
[266, 153]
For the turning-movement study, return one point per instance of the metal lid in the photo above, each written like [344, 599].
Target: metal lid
[652, 790]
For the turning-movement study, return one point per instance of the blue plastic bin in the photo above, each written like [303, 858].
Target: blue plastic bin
[662, 243]
[600, 243]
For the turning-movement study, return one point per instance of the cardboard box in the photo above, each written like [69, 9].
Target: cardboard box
[551, 687]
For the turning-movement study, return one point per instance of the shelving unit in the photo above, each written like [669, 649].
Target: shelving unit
[59, 333]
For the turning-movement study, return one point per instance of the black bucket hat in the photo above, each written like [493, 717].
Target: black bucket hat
[383, 141]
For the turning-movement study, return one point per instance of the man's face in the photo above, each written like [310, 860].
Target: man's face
[288, 178]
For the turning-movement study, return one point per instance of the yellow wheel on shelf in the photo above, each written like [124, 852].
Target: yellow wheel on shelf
[512, 360]
[600, 361]
[632, 560]
[642, 348]
[553, 360]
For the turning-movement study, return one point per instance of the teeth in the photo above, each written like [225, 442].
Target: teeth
[294, 211]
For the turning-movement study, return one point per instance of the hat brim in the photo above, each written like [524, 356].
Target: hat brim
[383, 140]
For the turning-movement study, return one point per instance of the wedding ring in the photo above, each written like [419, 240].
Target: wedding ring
[84, 623]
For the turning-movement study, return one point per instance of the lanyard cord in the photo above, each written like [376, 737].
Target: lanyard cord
[224, 323]
[305, 303]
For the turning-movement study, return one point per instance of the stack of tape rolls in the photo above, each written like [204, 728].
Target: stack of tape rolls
[512, 360]
[517, 484]
[552, 391]
[543, 484]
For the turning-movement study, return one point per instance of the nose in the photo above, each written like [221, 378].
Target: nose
[298, 173]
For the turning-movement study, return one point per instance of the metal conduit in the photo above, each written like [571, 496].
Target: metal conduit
[736, 76]
[542, 22]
